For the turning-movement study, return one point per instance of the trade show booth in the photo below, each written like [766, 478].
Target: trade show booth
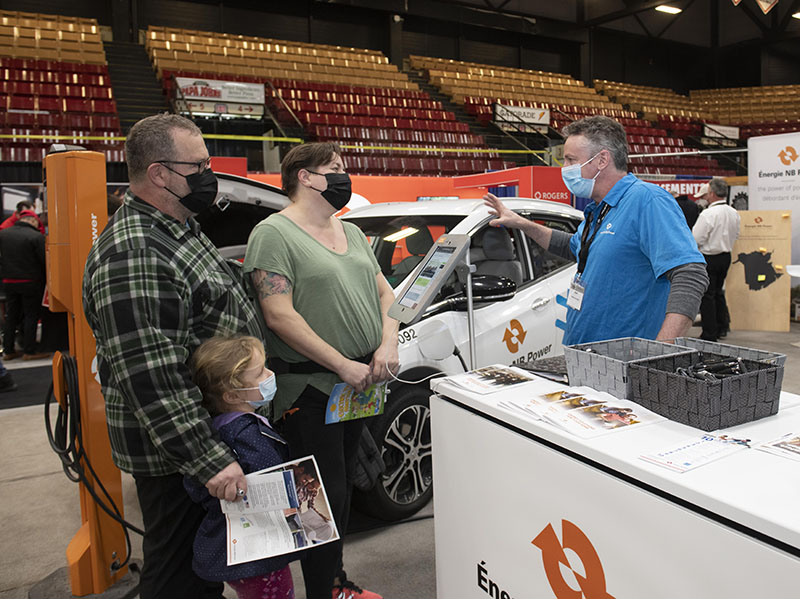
[527, 509]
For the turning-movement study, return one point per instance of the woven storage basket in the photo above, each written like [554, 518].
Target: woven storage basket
[733, 351]
[605, 367]
[707, 405]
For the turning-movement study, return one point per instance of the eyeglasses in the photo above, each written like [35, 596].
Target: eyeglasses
[200, 165]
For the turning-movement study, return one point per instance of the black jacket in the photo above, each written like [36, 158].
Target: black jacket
[22, 252]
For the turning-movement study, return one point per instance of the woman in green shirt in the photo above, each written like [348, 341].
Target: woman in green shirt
[325, 302]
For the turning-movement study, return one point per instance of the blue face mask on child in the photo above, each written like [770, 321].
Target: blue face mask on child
[575, 182]
[267, 387]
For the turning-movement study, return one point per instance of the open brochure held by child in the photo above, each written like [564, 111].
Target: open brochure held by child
[285, 509]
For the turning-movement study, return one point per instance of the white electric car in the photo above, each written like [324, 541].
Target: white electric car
[519, 309]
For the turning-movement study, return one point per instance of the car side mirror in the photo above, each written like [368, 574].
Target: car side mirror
[485, 288]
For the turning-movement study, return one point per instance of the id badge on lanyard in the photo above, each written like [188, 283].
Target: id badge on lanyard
[576, 291]
[577, 287]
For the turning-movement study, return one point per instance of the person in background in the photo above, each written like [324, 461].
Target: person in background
[716, 230]
[22, 259]
[688, 207]
[6, 380]
[12, 220]
[325, 302]
[155, 288]
[231, 373]
[639, 271]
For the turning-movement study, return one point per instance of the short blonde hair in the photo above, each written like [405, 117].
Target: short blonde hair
[218, 364]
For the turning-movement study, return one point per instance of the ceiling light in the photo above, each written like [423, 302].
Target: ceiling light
[796, 15]
[668, 9]
[402, 234]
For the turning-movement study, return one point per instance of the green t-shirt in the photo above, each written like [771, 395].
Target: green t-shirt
[336, 294]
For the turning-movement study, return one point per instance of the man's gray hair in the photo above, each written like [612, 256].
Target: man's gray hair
[602, 133]
[718, 187]
[150, 140]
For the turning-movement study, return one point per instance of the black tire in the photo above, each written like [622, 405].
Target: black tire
[403, 435]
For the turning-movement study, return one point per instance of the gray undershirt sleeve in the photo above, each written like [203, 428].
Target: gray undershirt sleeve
[688, 283]
[559, 244]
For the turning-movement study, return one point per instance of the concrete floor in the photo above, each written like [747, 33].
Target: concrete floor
[39, 508]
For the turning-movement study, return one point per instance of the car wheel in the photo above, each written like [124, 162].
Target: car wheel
[403, 435]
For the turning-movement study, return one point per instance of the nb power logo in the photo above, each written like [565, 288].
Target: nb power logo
[514, 335]
[592, 581]
[788, 155]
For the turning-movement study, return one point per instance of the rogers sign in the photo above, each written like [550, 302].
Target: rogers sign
[556, 196]
[547, 184]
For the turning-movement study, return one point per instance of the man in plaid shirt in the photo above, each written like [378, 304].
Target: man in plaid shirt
[154, 289]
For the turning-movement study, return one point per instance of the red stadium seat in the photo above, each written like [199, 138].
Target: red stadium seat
[77, 105]
[21, 103]
[51, 104]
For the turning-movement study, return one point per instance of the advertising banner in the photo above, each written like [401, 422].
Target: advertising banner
[221, 91]
[514, 118]
[205, 107]
[773, 178]
[726, 131]
[516, 519]
[757, 286]
[682, 187]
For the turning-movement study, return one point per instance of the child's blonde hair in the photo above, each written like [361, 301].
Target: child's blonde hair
[217, 366]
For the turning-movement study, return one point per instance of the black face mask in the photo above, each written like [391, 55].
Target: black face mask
[203, 192]
[339, 189]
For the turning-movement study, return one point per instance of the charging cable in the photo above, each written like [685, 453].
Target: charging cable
[66, 440]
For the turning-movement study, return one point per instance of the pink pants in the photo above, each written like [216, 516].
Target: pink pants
[275, 585]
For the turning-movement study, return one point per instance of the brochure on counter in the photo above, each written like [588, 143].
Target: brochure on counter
[696, 451]
[346, 404]
[787, 446]
[285, 509]
[582, 411]
[491, 379]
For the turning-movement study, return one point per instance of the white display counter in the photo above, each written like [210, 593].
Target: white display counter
[526, 510]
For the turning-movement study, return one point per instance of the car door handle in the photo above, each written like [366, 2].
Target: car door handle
[539, 303]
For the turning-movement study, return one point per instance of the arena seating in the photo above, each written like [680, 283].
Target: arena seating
[650, 101]
[264, 58]
[461, 80]
[385, 123]
[478, 87]
[54, 82]
[763, 110]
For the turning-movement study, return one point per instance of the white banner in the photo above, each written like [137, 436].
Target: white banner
[524, 114]
[517, 519]
[773, 178]
[221, 91]
[724, 131]
[197, 106]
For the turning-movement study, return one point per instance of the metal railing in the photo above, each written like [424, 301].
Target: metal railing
[279, 97]
[177, 96]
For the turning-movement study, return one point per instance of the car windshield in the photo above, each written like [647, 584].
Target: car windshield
[400, 242]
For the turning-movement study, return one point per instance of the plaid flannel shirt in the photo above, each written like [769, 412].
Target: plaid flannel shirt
[153, 290]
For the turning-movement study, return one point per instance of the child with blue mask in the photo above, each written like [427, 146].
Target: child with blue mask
[236, 385]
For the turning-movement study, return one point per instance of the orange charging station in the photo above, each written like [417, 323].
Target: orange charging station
[76, 203]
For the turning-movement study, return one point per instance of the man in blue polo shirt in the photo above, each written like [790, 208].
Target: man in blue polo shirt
[639, 271]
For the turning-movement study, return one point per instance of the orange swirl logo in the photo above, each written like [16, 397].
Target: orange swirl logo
[592, 582]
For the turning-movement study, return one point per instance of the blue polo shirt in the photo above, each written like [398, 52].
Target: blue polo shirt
[642, 236]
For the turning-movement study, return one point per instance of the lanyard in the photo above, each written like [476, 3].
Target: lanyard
[583, 254]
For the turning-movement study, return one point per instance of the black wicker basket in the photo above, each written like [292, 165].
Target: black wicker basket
[707, 405]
